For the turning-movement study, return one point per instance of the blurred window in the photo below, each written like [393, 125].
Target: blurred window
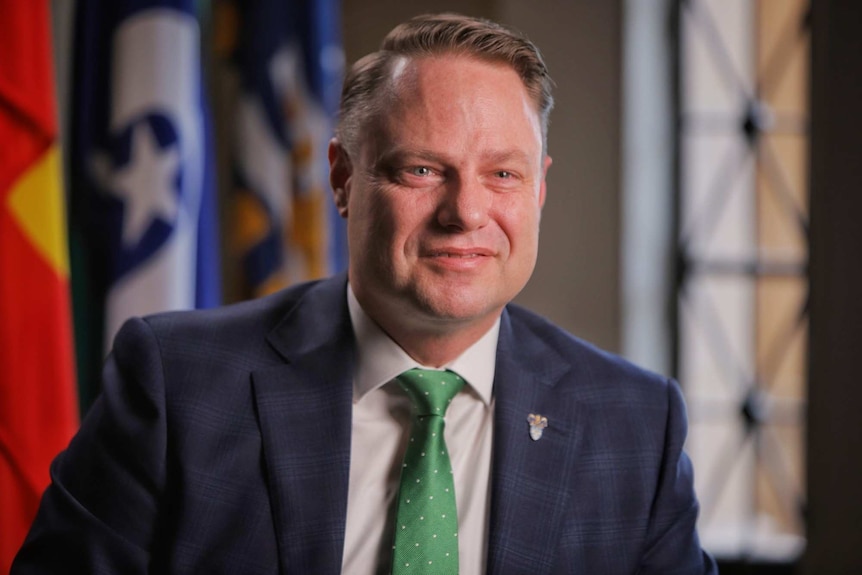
[742, 263]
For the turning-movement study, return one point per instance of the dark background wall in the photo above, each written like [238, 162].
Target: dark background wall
[835, 383]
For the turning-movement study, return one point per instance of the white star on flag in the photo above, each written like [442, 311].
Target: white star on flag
[147, 184]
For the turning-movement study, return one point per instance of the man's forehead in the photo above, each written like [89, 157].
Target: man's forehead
[405, 70]
[430, 90]
[449, 78]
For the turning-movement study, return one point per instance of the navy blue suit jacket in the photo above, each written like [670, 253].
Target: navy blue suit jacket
[221, 444]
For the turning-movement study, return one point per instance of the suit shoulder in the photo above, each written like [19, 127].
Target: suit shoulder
[602, 368]
[231, 336]
[260, 314]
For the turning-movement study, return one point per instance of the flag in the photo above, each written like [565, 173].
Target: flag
[142, 195]
[38, 408]
[290, 63]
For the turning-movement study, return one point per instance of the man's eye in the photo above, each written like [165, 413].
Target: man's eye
[504, 174]
[420, 171]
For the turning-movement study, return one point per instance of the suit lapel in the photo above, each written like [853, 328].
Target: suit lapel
[304, 411]
[528, 488]
[304, 408]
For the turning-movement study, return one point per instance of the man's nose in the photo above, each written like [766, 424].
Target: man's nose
[465, 205]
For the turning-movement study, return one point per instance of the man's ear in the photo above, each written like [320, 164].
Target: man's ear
[340, 171]
[546, 163]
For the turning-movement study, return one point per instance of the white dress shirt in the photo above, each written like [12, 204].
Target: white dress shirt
[381, 422]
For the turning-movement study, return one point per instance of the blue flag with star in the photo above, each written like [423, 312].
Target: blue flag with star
[143, 217]
[289, 61]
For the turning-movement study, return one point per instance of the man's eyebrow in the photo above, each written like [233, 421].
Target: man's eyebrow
[398, 156]
[402, 154]
[504, 156]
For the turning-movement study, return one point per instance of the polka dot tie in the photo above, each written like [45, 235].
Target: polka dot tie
[426, 528]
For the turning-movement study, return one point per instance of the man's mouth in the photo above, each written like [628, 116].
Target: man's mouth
[451, 255]
[459, 253]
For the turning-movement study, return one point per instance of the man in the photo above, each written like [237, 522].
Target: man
[270, 437]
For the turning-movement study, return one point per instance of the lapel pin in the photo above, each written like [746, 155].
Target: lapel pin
[538, 423]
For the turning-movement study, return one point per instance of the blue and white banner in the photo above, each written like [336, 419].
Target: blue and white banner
[142, 182]
[290, 61]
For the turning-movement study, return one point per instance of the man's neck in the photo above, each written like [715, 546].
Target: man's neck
[432, 342]
[379, 358]
[435, 349]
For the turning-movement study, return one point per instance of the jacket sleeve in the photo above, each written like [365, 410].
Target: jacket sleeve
[673, 546]
[100, 511]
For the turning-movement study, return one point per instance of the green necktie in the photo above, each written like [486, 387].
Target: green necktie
[426, 527]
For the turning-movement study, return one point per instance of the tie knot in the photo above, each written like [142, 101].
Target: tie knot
[430, 390]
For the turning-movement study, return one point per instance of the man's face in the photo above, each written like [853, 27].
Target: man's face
[444, 198]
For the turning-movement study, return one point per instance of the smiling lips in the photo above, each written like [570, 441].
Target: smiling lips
[456, 253]
[458, 259]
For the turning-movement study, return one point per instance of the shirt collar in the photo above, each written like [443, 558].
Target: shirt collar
[379, 359]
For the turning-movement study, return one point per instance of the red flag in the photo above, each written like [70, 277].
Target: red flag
[38, 407]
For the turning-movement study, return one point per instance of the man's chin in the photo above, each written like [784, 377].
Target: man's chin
[458, 309]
